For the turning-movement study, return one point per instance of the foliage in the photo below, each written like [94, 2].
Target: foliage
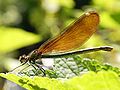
[102, 80]
[69, 67]
[70, 74]
[14, 38]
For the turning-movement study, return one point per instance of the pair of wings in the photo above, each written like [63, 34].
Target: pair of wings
[74, 35]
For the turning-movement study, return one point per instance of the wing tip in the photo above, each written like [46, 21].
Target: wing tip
[90, 12]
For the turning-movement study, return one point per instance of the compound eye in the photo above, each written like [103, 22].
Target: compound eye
[22, 58]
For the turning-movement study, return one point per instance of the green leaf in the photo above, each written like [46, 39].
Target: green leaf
[14, 38]
[74, 66]
[103, 80]
[67, 68]
[35, 83]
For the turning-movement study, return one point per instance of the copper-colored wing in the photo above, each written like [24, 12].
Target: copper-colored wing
[74, 36]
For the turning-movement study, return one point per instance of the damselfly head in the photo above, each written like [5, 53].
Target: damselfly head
[34, 55]
[23, 58]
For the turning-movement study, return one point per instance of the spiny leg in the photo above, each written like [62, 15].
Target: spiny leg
[40, 67]
[19, 66]
[32, 64]
[24, 68]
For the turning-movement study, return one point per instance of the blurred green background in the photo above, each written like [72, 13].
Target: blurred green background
[26, 24]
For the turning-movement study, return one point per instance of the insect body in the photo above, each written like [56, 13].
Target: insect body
[65, 43]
